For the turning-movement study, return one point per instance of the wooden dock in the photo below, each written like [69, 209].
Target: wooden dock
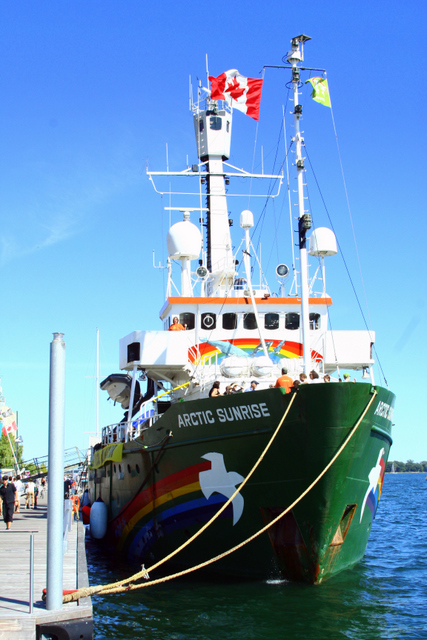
[16, 623]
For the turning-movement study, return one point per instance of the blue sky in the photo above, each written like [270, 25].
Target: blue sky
[92, 90]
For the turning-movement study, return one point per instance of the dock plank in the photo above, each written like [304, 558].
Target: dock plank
[16, 623]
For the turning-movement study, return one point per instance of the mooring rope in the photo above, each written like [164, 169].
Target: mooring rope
[122, 585]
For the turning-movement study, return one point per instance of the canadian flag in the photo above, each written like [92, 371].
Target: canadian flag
[9, 428]
[240, 92]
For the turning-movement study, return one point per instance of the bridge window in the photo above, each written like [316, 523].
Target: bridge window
[314, 319]
[208, 321]
[187, 319]
[134, 350]
[229, 321]
[215, 123]
[271, 321]
[249, 321]
[292, 321]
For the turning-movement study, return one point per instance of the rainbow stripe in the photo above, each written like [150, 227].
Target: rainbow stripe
[163, 502]
[287, 350]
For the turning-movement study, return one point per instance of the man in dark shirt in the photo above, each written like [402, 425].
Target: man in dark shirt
[9, 496]
[67, 487]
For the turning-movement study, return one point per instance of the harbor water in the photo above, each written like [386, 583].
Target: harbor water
[384, 596]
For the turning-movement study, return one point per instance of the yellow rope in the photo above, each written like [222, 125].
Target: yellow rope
[118, 587]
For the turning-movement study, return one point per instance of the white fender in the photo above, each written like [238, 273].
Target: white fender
[98, 519]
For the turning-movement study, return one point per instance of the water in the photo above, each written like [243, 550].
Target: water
[385, 596]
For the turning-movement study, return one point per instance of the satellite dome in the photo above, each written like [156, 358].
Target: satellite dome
[322, 243]
[184, 240]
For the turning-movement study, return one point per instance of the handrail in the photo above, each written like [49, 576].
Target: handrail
[31, 585]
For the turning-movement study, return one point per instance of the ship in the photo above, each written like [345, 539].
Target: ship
[216, 463]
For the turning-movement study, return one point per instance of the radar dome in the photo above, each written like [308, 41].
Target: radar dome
[322, 243]
[184, 240]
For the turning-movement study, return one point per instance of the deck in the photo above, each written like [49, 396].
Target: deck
[15, 620]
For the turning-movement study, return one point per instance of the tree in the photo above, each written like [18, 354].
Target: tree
[6, 457]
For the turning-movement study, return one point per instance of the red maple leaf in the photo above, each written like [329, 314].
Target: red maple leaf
[234, 89]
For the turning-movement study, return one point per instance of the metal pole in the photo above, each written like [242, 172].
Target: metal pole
[55, 511]
[97, 383]
[31, 571]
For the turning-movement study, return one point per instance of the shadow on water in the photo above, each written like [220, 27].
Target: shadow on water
[383, 597]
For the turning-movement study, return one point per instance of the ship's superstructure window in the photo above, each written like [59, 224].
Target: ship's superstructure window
[201, 125]
[229, 321]
[314, 321]
[271, 321]
[215, 123]
[292, 321]
[208, 321]
[187, 319]
[249, 321]
[134, 350]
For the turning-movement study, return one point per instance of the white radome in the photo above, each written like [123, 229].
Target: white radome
[323, 243]
[184, 241]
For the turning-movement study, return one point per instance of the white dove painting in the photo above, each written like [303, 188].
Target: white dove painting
[373, 492]
[218, 480]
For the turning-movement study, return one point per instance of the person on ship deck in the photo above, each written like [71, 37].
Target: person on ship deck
[284, 381]
[214, 392]
[176, 325]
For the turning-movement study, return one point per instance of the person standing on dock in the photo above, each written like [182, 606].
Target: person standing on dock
[29, 490]
[9, 497]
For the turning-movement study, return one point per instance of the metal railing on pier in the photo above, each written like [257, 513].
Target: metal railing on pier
[31, 577]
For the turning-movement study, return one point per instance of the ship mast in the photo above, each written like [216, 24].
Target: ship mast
[213, 135]
[295, 57]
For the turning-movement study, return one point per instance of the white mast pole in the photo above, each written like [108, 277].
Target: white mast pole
[294, 58]
[97, 382]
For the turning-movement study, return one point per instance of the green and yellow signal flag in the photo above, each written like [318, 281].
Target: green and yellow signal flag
[320, 90]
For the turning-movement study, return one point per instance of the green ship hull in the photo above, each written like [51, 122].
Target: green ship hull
[165, 485]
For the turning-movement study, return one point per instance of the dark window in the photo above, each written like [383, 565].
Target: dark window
[201, 125]
[249, 321]
[229, 321]
[314, 319]
[208, 321]
[215, 123]
[271, 321]
[187, 319]
[292, 321]
[134, 352]
[228, 126]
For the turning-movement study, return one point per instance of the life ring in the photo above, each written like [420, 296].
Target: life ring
[208, 321]
[76, 503]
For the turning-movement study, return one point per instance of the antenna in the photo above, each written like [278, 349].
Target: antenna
[207, 72]
[190, 93]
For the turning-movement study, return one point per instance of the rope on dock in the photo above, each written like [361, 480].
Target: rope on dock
[125, 585]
